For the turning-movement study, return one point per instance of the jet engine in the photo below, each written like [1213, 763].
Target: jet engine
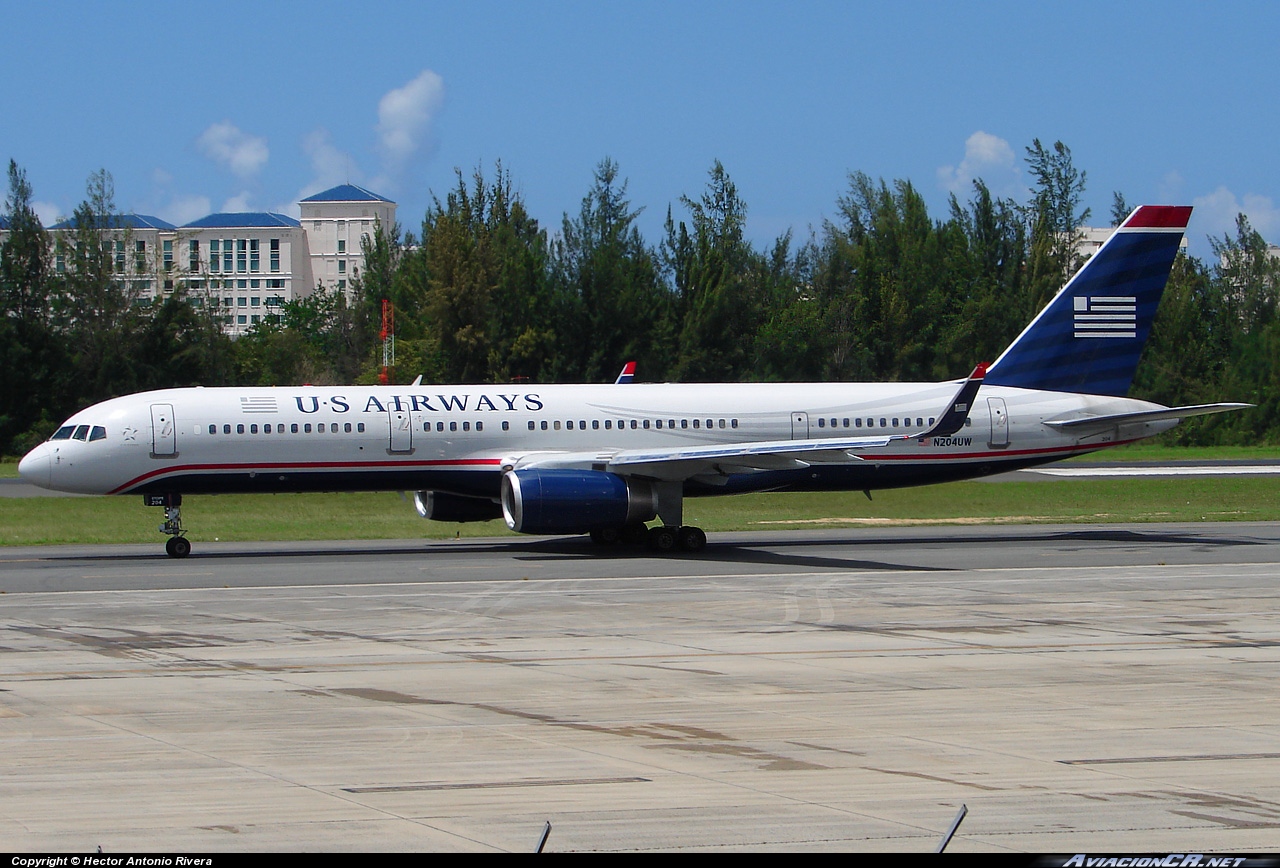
[574, 501]
[442, 506]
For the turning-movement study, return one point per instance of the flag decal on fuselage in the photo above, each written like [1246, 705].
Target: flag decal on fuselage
[257, 405]
[1106, 316]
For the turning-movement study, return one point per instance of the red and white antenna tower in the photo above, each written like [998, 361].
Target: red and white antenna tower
[388, 341]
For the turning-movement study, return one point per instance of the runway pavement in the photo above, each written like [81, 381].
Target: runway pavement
[1079, 688]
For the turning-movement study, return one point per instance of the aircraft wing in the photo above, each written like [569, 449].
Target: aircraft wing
[1086, 422]
[722, 459]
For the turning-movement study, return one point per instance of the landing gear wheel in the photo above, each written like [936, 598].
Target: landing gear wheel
[178, 547]
[692, 539]
[635, 533]
[663, 539]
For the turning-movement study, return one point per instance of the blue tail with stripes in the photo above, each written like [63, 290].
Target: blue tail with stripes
[1089, 337]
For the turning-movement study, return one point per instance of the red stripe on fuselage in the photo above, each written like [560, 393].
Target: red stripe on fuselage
[304, 465]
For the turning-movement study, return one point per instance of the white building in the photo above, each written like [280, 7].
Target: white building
[335, 222]
[243, 267]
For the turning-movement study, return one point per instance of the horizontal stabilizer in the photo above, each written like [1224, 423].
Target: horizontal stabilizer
[1167, 413]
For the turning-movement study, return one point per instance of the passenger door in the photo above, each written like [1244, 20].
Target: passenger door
[164, 443]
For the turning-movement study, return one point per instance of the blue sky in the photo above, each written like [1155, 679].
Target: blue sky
[249, 106]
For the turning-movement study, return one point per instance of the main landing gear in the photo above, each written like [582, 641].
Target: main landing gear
[670, 536]
[178, 546]
[663, 538]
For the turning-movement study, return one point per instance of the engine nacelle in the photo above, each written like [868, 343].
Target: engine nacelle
[574, 501]
[442, 506]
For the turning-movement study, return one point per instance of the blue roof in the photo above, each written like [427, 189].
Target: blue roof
[346, 193]
[124, 221]
[244, 220]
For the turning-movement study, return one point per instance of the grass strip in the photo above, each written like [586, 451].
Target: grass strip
[384, 515]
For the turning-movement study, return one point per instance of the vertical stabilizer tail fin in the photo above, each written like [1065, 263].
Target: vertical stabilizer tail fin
[1089, 338]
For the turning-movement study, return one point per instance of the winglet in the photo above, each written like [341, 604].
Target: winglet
[953, 419]
[627, 375]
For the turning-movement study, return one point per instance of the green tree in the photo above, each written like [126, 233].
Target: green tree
[1054, 217]
[610, 281]
[709, 263]
[30, 351]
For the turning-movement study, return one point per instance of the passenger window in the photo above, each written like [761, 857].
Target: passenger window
[359, 427]
[671, 423]
[569, 424]
[595, 424]
[884, 423]
[543, 426]
[63, 433]
[684, 423]
[531, 425]
[506, 426]
[657, 423]
[226, 429]
[582, 424]
[646, 424]
[721, 423]
[240, 429]
[919, 422]
[895, 423]
[557, 424]
[82, 433]
[608, 424]
[439, 426]
[320, 428]
[453, 426]
[293, 428]
[930, 420]
[347, 428]
[695, 422]
[479, 426]
[98, 433]
[857, 423]
[833, 423]
[253, 429]
[634, 424]
[822, 423]
[306, 429]
[466, 426]
[733, 423]
[213, 429]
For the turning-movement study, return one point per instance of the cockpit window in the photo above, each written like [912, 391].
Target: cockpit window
[98, 433]
[63, 433]
[82, 433]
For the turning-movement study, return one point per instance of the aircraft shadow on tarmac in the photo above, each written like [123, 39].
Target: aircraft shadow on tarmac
[774, 551]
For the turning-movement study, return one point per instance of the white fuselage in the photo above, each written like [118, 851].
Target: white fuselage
[461, 439]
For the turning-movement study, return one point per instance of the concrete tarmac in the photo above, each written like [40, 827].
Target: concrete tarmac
[1079, 688]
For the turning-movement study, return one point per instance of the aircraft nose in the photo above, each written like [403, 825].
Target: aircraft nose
[35, 466]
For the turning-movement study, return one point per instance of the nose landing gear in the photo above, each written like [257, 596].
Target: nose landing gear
[178, 546]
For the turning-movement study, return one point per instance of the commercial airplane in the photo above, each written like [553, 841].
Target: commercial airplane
[597, 459]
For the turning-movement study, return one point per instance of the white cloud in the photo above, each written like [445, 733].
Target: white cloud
[405, 115]
[181, 210]
[1215, 214]
[48, 212]
[237, 204]
[229, 146]
[987, 157]
[1170, 188]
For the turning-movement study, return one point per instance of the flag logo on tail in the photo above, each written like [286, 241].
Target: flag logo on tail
[1106, 316]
